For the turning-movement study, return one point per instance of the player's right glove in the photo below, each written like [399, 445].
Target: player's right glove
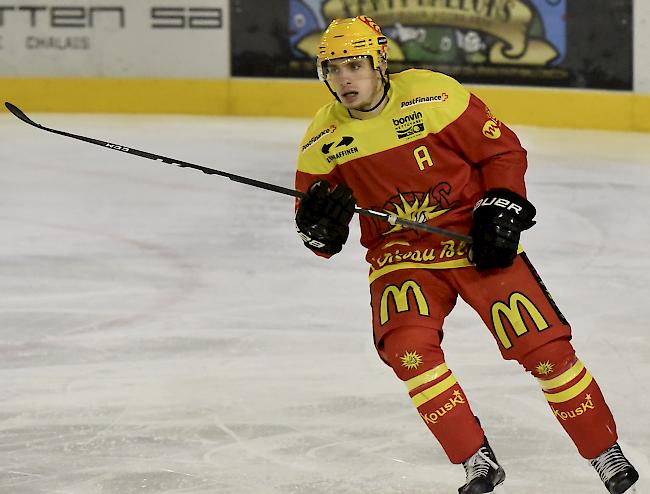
[323, 216]
[498, 220]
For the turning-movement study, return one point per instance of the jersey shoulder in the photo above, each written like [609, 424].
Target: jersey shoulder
[323, 123]
[326, 122]
[421, 89]
[424, 79]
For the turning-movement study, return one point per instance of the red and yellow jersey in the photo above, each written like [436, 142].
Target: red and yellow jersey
[428, 156]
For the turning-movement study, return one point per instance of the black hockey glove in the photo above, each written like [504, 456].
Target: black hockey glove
[499, 218]
[323, 216]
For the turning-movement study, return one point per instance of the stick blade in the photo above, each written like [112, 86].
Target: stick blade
[20, 114]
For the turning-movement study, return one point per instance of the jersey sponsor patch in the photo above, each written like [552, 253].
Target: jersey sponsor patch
[341, 150]
[344, 142]
[491, 130]
[342, 154]
[409, 125]
[418, 100]
[318, 137]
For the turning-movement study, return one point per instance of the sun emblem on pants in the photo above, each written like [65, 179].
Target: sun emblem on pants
[544, 368]
[411, 360]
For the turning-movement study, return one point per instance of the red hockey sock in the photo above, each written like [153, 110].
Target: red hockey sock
[416, 357]
[578, 404]
[574, 397]
[443, 406]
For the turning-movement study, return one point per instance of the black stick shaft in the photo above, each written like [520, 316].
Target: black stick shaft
[389, 218]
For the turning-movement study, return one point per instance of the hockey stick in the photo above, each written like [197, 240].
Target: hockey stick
[389, 218]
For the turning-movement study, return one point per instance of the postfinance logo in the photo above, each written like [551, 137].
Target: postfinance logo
[400, 297]
[317, 137]
[419, 100]
[512, 312]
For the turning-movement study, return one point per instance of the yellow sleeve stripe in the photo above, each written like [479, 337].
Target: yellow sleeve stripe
[428, 376]
[572, 392]
[433, 391]
[563, 378]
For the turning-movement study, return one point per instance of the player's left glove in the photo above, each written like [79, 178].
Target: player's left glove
[498, 220]
[323, 216]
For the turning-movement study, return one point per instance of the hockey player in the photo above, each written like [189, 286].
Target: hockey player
[420, 146]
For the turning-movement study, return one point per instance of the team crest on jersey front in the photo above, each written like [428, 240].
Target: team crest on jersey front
[419, 206]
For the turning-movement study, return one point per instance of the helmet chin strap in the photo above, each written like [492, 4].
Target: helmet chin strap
[386, 83]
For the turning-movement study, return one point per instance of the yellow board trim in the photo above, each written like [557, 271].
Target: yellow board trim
[572, 392]
[433, 391]
[198, 97]
[428, 376]
[612, 110]
[563, 378]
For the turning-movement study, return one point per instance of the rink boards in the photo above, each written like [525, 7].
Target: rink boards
[189, 57]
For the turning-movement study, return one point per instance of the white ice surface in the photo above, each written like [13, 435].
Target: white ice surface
[164, 331]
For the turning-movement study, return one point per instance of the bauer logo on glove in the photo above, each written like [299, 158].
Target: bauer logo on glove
[499, 202]
[498, 220]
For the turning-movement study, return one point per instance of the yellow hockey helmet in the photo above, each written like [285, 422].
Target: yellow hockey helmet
[352, 37]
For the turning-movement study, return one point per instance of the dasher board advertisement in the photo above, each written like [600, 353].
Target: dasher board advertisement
[562, 43]
[101, 38]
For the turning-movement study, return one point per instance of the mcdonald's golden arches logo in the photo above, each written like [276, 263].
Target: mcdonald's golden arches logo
[400, 297]
[512, 312]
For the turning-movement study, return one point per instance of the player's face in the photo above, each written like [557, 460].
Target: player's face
[357, 84]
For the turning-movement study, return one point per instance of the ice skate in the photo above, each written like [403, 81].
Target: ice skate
[615, 471]
[483, 471]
